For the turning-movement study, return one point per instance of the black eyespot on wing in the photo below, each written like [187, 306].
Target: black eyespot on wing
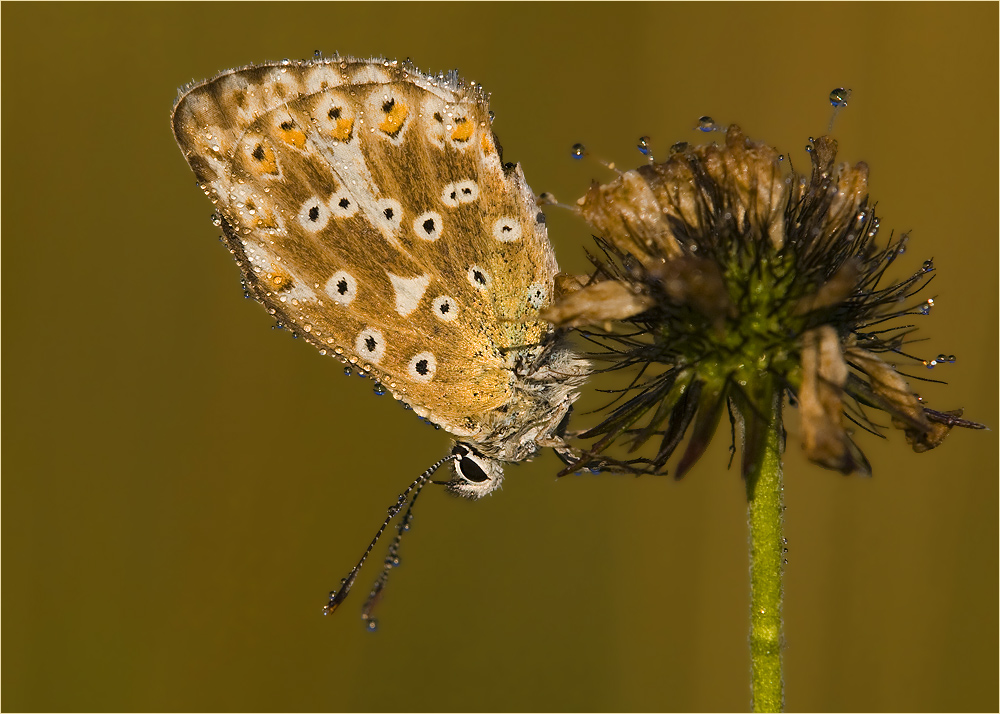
[342, 286]
[258, 152]
[388, 214]
[334, 113]
[287, 125]
[421, 367]
[370, 343]
[314, 213]
[472, 471]
[344, 203]
[479, 277]
[437, 115]
[428, 226]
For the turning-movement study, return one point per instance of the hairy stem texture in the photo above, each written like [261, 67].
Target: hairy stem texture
[764, 496]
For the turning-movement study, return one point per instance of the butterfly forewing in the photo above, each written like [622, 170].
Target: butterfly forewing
[368, 208]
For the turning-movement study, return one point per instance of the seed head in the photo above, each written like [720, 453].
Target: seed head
[723, 276]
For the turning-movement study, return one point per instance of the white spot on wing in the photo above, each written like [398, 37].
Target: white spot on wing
[408, 291]
[370, 345]
[299, 291]
[506, 230]
[342, 287]
[455, 194]
[387, 217]
[445, 308]
[422, 367]
[479, 278]
[342, 204]
[428, 225]
[537, 295]
[314, 215]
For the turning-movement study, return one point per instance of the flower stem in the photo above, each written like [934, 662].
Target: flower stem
[764, 496]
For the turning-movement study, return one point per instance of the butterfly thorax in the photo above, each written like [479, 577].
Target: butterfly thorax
[545, 387]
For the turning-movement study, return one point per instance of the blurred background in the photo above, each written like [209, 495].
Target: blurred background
[168, 543]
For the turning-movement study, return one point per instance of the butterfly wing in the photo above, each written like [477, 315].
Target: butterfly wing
[368, 207]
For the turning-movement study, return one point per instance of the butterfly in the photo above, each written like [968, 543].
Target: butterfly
[370, 211]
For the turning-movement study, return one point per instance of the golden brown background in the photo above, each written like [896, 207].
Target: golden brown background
[182, 485]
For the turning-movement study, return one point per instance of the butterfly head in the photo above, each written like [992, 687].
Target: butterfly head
[475, 474]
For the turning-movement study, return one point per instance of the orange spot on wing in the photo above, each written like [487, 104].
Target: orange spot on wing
[293, 136]
[342, 132]
[394, 118]
[279, 282]
[487, 143]
[463, 130]
[263, 160]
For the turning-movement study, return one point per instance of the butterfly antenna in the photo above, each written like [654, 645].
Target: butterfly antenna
[338, 596]
[391, 561]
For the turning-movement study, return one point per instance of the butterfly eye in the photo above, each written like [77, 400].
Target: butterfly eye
[475, 474]
[472, 471]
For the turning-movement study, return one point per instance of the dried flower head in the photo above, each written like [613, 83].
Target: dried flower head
[725, 276]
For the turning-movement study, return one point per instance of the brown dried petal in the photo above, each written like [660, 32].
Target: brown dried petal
[824, 374]
[895, 396]
[851, 186]
[629, 216]
[634, 212]
[567, 284]
[597, 303]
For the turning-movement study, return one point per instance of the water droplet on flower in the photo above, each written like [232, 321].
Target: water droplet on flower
[578, 151]
[379, 389]
[348, 371]
[644, 146]
[839, 97]
[371, 624]
[706, 124]
[952, 358]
